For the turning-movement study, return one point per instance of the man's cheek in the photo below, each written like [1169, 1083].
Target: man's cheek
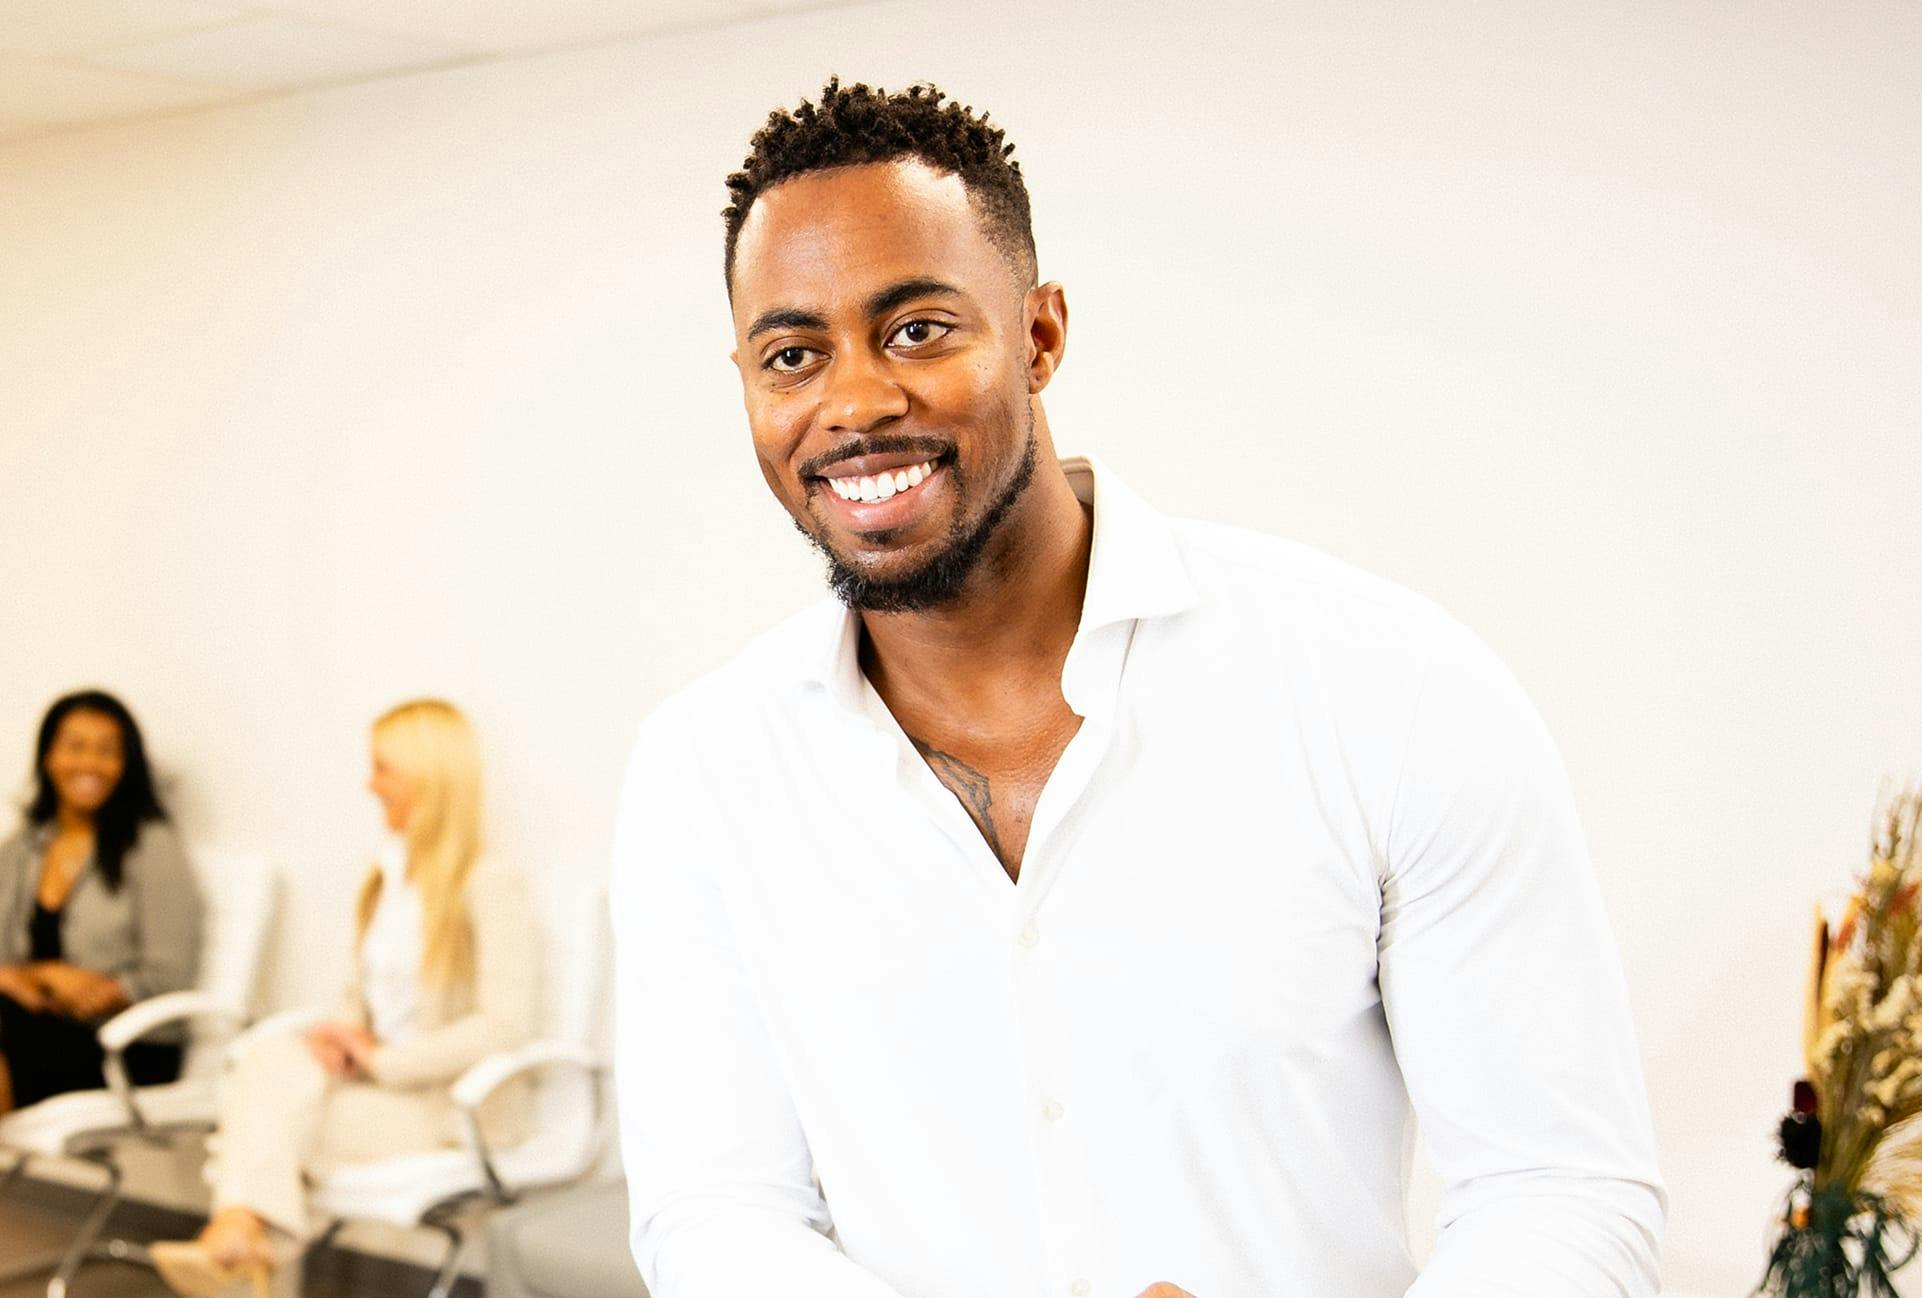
[771, 474]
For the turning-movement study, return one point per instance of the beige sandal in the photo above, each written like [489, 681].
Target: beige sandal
[192, 1271]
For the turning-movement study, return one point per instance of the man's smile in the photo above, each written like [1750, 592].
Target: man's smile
[881, 497]
[881, 484]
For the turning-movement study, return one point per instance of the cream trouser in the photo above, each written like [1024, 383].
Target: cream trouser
[284, 1121]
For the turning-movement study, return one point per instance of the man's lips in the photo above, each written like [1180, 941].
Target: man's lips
[868, 466]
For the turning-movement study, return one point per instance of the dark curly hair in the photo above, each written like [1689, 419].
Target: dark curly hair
[858, 124]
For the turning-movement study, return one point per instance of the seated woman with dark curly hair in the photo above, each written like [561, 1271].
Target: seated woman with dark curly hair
[98, 907]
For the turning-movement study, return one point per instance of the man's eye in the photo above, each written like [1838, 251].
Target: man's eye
[788, 359]
[916, 333]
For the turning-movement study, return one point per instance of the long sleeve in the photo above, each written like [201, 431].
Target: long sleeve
[16, 861]
[720, 1180]
[506, 991]
[1507, 1005]
[167, 916]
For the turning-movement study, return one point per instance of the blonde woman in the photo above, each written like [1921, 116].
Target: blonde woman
[445, 973]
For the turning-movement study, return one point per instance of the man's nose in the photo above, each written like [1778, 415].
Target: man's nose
[861, 394]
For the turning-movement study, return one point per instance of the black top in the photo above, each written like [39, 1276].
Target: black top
[43, 934]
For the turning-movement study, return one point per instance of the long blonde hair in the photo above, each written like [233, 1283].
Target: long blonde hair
[432, 745]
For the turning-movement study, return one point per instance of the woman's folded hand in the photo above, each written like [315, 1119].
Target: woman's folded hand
[79, 993]
[343, 1049]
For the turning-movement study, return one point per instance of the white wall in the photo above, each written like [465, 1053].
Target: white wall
[1602, 327]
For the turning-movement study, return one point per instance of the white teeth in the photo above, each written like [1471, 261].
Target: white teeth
[882, 486]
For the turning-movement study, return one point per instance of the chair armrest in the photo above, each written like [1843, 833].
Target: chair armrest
[484, 1078]
[487, 1076]
[285, 1023]
[136, 1021]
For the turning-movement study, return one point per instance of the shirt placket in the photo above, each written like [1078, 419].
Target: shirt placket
[1091, 682]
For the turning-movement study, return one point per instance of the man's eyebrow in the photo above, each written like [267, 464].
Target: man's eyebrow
[785, 318]
[897, 295]
[888, 299]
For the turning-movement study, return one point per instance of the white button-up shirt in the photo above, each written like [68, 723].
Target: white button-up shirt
[1310, 863]
[390, 950]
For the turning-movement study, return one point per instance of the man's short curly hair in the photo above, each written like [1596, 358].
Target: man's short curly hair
[858, 124]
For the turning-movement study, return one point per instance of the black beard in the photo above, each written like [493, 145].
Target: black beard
[941, 579]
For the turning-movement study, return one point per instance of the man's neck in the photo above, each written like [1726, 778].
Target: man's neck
[1009, 631]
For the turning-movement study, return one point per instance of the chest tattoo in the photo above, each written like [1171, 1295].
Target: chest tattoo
[967, 784]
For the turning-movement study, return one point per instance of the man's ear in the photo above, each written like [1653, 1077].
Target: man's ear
[1047, 320]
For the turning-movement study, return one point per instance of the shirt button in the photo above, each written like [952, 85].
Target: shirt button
[1081, 1289]
[1029, 937]
[1052, 1112]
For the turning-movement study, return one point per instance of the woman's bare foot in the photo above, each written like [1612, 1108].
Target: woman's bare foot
[236, 1236]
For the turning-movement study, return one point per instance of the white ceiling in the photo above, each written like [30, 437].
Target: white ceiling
[64, 63]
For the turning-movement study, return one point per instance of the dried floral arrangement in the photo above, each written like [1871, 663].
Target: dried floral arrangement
[1852, 1219]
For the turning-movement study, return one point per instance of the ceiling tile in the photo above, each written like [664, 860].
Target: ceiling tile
[46, 93]
[270, 52]
[55, 27]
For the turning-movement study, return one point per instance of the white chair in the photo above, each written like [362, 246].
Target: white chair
[570, 1128]
[90, 1126]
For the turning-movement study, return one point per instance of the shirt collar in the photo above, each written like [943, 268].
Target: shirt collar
[1135, 568]
[1135, 571]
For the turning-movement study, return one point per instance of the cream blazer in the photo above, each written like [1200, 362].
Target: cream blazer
[461, 1024]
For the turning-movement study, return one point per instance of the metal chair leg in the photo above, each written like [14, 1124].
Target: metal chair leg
[325, 1240]
[450, 1262]
[49, 1262]
[96, 1221]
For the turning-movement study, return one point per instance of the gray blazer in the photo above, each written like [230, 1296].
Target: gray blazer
[147, 934]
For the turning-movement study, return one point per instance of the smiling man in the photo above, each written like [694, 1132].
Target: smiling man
[1083, 902]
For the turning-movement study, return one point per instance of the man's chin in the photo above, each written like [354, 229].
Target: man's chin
[882, 555]
[895, 579]
[888, 571]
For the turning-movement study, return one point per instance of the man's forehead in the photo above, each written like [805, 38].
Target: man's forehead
[834, 234]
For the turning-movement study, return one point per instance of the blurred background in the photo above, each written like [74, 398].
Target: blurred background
[354, 349]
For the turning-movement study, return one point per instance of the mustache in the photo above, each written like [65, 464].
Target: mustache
[930, 448]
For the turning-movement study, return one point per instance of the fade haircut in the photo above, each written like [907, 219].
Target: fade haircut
[855, 124]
